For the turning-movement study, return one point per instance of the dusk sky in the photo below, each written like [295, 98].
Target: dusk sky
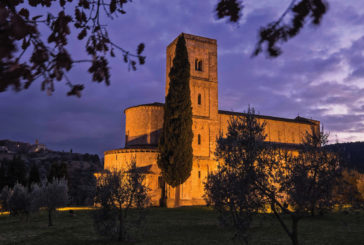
[320, 75]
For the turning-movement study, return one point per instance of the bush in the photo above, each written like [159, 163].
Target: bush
[19, 200]
[4, 198]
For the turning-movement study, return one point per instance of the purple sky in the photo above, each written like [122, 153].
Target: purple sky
[320, 75]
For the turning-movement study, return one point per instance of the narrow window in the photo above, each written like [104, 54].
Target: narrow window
[199, 65]
[199, 174]
[199, 99]
[199, 139]
[196, 64]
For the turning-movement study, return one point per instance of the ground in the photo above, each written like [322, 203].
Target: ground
[192, 225]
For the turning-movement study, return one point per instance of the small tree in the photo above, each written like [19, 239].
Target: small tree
[19, 201]
[233, 189]
[51, 195]
[306, 183]
[117, 193]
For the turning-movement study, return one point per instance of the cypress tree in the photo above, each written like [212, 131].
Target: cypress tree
[175, 144]
[34, 177]
[16, 172]
[58, 171]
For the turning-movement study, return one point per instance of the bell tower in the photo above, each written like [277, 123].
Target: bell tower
[202, 55]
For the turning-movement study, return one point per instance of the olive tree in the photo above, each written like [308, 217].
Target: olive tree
[19, 201]
[122, 198]
[50, 195]
[255, 175]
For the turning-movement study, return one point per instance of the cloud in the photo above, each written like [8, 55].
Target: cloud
[319, 75]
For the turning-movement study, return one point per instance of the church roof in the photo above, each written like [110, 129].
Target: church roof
[150, 104]
[298, 119]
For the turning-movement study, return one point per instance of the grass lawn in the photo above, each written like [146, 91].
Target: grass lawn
[189, 225]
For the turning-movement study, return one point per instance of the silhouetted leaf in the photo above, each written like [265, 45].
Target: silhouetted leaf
[112, 6]
[229, 8]
[24, 12]
[140, 49]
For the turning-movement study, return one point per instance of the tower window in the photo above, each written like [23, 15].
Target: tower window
[199, 139]
[198, 65]
[199, 174]
[199, 99]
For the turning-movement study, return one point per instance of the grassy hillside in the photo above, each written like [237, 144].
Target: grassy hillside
[180, 226]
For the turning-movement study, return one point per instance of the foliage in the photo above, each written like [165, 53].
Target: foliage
[51, 195]
[350, 188]
[4, 198]
[352, 152]
[34, 177]
[232, 190]
[256, 174]
[82, 187]
[25, 56]
[117, 193]
[12, 172]
[229, 8]
[19, 200]
[175, 144]
[309, 178]
[277, 31]
[58, 171]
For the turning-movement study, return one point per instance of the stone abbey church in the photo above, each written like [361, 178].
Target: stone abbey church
[144, 124]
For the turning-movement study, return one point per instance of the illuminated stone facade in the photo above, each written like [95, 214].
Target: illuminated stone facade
[144, 124]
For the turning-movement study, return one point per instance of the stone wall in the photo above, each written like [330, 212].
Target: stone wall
[145, 158]
[143, 124]
[289, 131]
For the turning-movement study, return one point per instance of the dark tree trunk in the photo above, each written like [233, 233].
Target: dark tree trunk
[121, 236]
[294, 234]
[50, 223]
[163, 200]
[177, 196]
[313, 209]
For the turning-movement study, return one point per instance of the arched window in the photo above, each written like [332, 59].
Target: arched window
[199, 139]
[199, 99]
[198, 65]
